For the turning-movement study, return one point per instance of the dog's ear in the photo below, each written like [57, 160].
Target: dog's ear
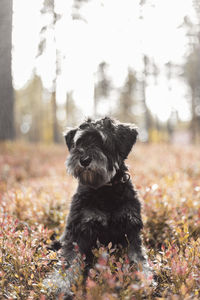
[69, 137]
[126, 138]
[108, 122]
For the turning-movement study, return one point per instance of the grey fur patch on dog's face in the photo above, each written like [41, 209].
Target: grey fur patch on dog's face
[97, 149]
[94, 175]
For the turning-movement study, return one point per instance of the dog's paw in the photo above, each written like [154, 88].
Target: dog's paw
[55, 246]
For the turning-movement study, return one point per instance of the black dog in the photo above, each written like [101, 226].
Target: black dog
[105, 207]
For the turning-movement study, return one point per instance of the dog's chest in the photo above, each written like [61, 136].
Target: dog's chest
[107, 209]
[109, 222]
[105, 227]
[102, 216]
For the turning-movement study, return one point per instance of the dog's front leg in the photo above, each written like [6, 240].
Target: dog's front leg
[73, 261]
[65, 274]
[72, 273]
[137, 255]
[67, 271]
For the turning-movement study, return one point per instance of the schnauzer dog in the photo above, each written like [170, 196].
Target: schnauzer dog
[105, 207]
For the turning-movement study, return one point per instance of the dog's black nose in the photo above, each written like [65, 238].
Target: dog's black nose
[85, 161]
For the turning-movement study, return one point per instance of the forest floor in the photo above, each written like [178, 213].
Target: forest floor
[35, 193]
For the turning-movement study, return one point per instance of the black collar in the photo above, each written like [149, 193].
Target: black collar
[124, 178]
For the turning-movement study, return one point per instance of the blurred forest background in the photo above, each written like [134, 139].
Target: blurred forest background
[55, 68]
[137, 61]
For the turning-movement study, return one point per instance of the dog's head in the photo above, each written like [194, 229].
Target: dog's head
[97, 150]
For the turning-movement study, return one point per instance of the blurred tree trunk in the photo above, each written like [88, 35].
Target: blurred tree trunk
[147, 117]
[55, 122]
[72, 112]
[194, 119]
[127, 99]
[48, 9]
[102, 87]
[6, 90]
[54, 93]
[95, 102]
[191, 70]
[192, 75]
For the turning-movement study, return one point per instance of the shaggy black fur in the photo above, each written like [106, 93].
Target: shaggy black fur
[105, 207]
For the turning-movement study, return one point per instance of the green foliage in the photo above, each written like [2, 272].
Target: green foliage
[35, 194]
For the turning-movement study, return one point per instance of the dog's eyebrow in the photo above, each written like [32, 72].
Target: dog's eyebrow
[78, 135]
[81, 132]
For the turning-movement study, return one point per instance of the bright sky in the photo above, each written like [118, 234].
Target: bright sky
[113, 32]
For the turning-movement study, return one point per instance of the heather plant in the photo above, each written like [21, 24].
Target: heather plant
[114, 278]
[35, 194]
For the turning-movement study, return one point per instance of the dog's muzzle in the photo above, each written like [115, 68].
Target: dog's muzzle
[91, 170]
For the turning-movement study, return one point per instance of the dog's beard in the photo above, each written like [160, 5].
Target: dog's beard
[94, 176]
[91, 178]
